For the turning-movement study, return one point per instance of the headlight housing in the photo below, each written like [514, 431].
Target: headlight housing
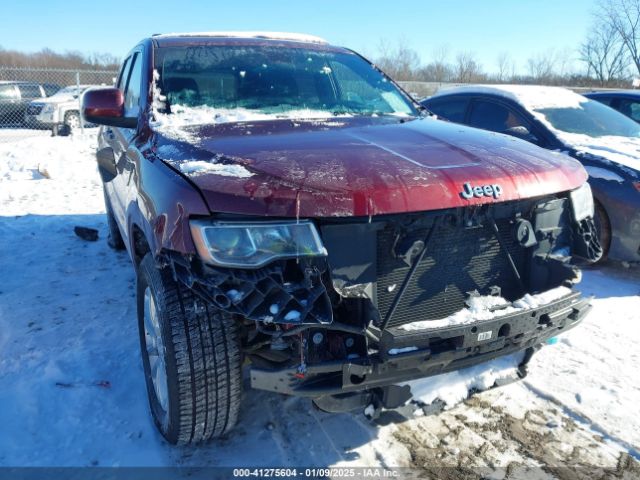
[48, 108]
[252, 245]
[582, 202]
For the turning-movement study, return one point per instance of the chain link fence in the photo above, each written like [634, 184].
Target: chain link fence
[44, 101]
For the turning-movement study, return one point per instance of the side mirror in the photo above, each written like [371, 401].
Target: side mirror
[105, 106]
[522, 133]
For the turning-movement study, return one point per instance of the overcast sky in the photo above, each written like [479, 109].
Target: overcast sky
[484, 27]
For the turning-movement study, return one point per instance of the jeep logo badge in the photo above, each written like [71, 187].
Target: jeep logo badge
[470, 191]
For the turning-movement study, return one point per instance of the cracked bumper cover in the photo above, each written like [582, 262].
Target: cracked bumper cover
[438, 351]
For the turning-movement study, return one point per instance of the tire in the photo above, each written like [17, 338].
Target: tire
[72, 120]
[603, 227]
[115, 238]
[200, 354]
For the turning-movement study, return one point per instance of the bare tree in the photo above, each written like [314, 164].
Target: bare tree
[440, 65]
[542, 66]
[399, 62]
[604, 53]
[439, 69]
[624, 17]
[467, 69]
[506, 67]
[47, 58]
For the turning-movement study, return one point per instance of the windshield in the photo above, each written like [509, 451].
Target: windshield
[273, 80]
[592, 118]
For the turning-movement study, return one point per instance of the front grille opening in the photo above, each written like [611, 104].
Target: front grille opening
[457, 261]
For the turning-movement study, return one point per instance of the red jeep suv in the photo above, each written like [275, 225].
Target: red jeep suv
[287, 206]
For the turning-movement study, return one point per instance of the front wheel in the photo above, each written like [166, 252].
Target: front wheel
[191, 359]
[72, 120]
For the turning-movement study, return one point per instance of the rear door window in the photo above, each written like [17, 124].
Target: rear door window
[30, 91]
[453, 109]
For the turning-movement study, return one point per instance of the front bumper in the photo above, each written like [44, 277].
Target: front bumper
[437, 351]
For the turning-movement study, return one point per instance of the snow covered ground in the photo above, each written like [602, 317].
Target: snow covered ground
[72, 390]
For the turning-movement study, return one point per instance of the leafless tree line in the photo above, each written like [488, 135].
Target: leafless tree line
[608, 57]
[47, 58]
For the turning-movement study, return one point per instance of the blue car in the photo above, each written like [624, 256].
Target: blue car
[626, 102]
[606, 142]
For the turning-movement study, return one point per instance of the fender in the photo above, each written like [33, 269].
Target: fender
[164, 222]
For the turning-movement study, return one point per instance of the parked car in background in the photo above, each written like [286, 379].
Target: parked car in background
[60, 109]
[286, 206]
[626, 102]
[605, 141]
[16, 96]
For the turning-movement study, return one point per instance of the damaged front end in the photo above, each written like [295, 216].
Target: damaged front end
[342, 309]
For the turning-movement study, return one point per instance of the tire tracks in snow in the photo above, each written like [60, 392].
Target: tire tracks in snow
[584, 420]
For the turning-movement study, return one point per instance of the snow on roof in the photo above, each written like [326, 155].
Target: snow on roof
[532, 97]
[296, 37]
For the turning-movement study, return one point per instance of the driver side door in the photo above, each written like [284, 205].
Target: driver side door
[120, 139]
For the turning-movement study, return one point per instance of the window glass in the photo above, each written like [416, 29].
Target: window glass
[605, 100]
[50, 89]
[30, 91]
[590, 118]
[8, 92]
[495, 117]
[630, 108]
[275, 80]
[451, 109]
[132, 93]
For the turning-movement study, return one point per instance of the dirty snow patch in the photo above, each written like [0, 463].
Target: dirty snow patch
[453, 387]
[200, 167]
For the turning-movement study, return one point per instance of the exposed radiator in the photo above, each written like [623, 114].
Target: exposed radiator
[457, 261]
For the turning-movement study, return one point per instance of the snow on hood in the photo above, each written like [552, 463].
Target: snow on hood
[622, 150]
[195, 167]
[175, 125]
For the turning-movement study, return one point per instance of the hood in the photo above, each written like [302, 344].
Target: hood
[359, 166]
[59, 98]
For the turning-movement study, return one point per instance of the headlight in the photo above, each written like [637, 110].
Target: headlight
[48, 108]
[582, 202]
[251, 245]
